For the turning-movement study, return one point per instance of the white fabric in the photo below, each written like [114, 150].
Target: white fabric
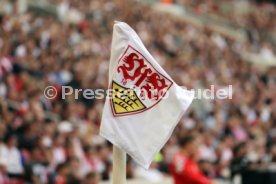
[142, 135]
[11, 158]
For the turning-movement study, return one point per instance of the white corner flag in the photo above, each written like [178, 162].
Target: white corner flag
[144, 104]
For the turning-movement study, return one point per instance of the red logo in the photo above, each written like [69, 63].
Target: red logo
[145, 84]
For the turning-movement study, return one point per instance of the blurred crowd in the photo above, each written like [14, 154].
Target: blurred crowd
[56, 141]
[256, 15]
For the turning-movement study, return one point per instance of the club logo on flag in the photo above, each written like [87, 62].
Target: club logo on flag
[136, 85]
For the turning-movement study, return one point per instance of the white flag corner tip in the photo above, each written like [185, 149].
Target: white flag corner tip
[117, 21]
[123, 26]
[120, 23]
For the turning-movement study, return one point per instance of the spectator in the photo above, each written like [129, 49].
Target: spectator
[4, 178]
[184, 167]
[36, 167]
[11, 154]
[61, 174]
[74, 176]
[92, 178]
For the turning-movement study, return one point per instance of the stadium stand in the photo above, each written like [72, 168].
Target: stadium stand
[67, 43]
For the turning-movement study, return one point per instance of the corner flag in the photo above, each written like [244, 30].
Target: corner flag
[145, 103]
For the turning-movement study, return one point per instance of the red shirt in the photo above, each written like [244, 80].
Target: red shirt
[4, 179]
[186, 171]
[60, 180]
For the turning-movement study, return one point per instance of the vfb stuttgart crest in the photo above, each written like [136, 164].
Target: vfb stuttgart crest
[136, 85]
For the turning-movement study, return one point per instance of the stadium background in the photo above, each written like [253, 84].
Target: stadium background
[199, 43]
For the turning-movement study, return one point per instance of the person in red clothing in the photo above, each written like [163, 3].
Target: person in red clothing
[4, 179]
[62, 172]
[184, 168]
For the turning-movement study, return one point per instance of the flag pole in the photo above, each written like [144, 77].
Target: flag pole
[119, 166]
